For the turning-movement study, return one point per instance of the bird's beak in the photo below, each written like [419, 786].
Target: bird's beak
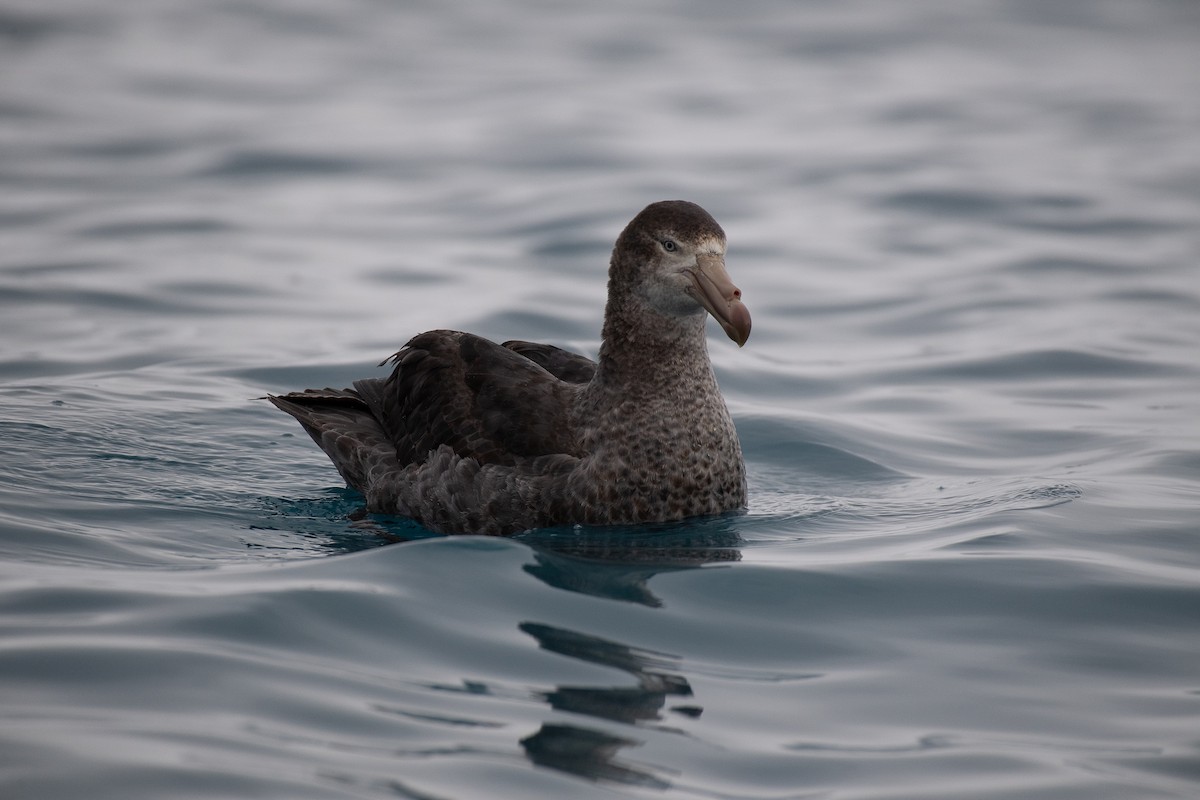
[715, 291]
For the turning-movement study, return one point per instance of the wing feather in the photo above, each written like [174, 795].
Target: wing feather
[562, 364]
[506, 405]
[484, 401]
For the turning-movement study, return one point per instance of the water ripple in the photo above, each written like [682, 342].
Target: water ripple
[967, 237]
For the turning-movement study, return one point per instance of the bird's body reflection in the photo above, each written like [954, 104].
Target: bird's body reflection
[614, 563]
[587, 753]
[590, 752]
[643, 702]
[617, 564]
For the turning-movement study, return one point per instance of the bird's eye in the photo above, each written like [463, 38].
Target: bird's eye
[669, 245]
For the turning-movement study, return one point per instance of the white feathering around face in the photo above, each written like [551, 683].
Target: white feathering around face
[710, 246]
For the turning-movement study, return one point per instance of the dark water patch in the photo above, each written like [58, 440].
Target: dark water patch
[22, 28]
[26, 369]
[782, 383]
[1181, 464]
[133, 457]
[1115, 119]
[991, 442]
[948, 317]
[867, 308]
[279, 164]
[625, 50]
[828, 44]
[294, 377]
[1068, 266]
[924, 744]
[1040, 212]
[222, 290]
[892, 403]
[961, 512]
[1066, 593]
[34, 531]
[563, 154]
[947, 202]
[808, 452]
[542, 223]
[161, 228]
[293, 21]
[1113, 226]
[594, 251]
[97, 299]
[533, 325]
[56, 267]
[1160, 299]
[700, 104]
[1181, 769]
[1156, 19]
[250, 90]
[1034, 365]
[922, 112]
[65, 606]
[399, 275]
[26, 218]
[129, 147]
[25, 112]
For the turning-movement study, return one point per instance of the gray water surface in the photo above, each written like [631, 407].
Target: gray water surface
[969, 236]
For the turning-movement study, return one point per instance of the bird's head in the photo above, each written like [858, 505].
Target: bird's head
[672, 255]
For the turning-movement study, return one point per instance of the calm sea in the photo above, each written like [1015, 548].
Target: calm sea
[969, 235]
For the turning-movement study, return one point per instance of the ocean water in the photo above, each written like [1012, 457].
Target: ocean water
[969, 236]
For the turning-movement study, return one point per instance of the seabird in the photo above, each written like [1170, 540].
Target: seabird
[470, 436]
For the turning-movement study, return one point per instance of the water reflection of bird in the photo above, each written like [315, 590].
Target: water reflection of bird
[590, 752]
[619, 563]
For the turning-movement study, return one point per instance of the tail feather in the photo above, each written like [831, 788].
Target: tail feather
[343, 426]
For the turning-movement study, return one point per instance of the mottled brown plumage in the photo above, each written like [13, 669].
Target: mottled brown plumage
[468, 436]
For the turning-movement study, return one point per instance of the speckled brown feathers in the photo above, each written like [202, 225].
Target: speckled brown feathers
[468, 436]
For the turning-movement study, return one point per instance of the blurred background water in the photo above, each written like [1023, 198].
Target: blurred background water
[968, 232]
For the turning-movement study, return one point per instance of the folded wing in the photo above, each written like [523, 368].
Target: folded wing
[494, 404]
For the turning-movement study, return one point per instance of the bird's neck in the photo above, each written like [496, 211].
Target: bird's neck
[651, 349]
